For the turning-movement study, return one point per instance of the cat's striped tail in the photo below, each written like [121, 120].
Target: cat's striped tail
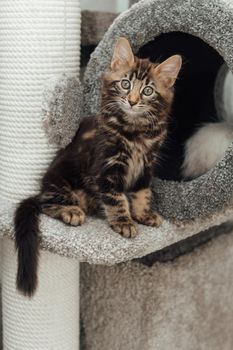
[27, 235]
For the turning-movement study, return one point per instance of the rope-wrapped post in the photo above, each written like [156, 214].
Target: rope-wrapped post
[50, 320]
[39, 39]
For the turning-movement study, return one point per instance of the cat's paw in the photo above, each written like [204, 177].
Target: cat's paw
[149, 219]
[125, 228]
[74, 216]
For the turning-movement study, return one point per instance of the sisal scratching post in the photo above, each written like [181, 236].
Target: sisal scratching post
[39, 40]
[49, 320]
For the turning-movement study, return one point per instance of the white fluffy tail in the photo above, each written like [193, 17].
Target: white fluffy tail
[207, 146]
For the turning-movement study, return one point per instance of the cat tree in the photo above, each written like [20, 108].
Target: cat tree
[188, 208]
[39, 40]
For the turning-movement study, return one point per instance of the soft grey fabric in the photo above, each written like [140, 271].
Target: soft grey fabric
[187, 245]
[181, 305]
[62, 109]
[96, 243]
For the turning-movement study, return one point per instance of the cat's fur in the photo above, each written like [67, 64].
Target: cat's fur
[205, 148]
[109, 161]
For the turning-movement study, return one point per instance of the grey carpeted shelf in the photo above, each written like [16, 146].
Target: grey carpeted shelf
[96, 243]
[187, 207]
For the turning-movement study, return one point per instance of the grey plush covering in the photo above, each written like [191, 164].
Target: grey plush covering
[187, 207]
[96, 243]
[181, 305]
[62, 96]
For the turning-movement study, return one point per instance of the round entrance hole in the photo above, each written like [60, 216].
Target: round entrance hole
[194, 102]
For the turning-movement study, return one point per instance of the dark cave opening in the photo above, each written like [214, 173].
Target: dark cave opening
[194, 93]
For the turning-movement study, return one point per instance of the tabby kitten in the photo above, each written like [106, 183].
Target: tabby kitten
[111, 156]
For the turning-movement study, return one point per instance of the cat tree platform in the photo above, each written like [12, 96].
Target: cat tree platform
[94, 242]
[188, 208]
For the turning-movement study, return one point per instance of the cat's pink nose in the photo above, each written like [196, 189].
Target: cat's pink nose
[132, 102]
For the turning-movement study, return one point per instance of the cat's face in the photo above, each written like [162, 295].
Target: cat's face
[138, 87]
[135, 89]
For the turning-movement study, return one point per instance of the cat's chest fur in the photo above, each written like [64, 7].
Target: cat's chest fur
[137, 158]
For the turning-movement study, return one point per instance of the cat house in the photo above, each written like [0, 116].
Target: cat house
[167, 29]
[166, 313]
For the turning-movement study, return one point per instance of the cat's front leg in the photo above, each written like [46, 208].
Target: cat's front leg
[115, 203]
[117, 211]
[141, 208]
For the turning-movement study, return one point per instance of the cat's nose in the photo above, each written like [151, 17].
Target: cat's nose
[132, 102]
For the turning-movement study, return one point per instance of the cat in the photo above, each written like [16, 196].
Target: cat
[210, 141]
[205, 148]
[109, 162]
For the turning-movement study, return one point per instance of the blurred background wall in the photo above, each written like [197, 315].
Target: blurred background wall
[105, 5]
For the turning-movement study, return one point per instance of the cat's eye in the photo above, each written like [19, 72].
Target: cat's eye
[125, 84]
[147, 91]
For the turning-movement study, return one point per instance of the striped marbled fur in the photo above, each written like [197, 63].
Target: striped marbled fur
[109, 163]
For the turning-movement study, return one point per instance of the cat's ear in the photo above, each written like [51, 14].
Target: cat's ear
[168, 70]
[123, 56]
